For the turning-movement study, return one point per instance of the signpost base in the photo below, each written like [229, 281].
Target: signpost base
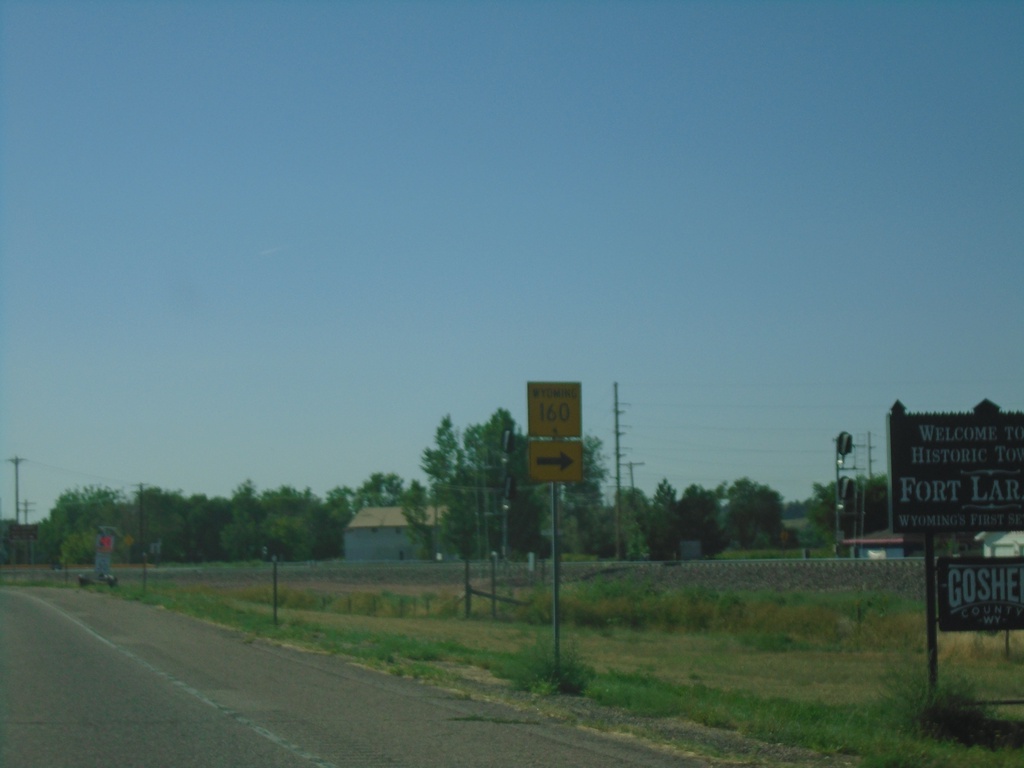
[931, 611]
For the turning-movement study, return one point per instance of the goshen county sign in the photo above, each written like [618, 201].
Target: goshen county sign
[956, 472]
[981, 593]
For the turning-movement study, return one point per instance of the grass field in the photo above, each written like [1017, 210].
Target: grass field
[841, 674]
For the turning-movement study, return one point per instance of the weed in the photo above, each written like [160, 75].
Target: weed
[947, 711]
[536, 669]
[641, 693]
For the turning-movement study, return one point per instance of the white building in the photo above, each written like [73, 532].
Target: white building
[382, 533]
[1006, 544]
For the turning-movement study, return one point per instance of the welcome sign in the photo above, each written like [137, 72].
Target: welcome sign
[959, 472]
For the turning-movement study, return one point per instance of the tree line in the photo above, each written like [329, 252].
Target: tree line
[466, 472]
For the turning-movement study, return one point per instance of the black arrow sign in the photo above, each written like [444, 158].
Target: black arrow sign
[561, 461]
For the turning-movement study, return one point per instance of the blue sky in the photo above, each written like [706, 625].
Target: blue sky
[280, 241]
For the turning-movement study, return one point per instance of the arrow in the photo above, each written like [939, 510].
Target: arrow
[561, 461]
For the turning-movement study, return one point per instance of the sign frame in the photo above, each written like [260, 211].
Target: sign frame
[973, 599]
[553, 409]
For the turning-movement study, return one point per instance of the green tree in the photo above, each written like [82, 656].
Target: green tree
[588, 525]
[244, 538]
[662, 523]
[483, 473]
[875, 491]
[340, 509]
[460, 527]
[380, 489]
[78, 548]
[166, 516]
[466, 472]
[754, 516]
[80, 511]
[699, 512]
[416, 510]
[288, 514]
[445, 466]
[636, 524]
[869, 510]
[207, 519]
[525, 513]
[287, 538]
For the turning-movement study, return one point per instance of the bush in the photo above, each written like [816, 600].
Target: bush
[947, 711]
[535, 669]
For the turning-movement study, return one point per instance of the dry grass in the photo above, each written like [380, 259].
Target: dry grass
[824, 655]
[725, 661]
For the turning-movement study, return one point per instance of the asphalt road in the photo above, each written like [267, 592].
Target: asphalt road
[86, 680]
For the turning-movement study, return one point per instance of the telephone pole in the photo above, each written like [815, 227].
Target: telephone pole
[631, 464]
[142, 538]
[17, 503]
[618, 476]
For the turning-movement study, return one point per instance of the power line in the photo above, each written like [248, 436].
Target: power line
[102, 478]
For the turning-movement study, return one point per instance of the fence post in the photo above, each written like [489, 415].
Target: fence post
[494, 585]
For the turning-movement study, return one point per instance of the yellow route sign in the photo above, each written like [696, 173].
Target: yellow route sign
[556, 461]
[553, 409]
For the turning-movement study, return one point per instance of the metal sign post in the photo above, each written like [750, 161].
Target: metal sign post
[555, 456]
[555, 575]
[930, 610]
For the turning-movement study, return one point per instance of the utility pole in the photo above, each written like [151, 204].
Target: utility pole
[142, 539]
[618, 476]
[16, 461]
[31, 544]
[631, 464]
